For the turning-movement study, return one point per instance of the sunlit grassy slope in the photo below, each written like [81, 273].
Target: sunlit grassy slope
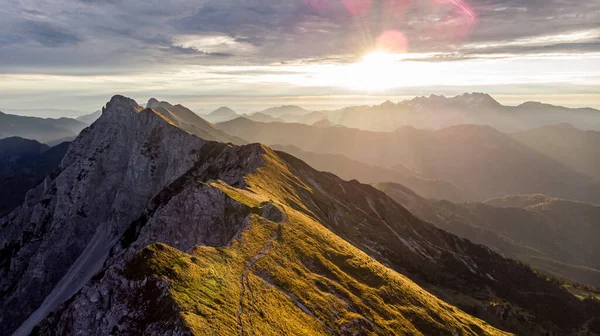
[289, 275]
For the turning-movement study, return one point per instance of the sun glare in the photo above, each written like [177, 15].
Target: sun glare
[376, 71]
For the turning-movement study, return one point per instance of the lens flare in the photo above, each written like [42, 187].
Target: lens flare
[396, 8]
[392, 41]
[358, 7]
[462, 8]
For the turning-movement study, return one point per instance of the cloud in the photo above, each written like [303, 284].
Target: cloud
[48, 34]
[149, 35]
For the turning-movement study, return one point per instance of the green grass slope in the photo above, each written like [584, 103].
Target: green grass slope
[294, 277]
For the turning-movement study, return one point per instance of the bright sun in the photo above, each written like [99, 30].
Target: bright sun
[376, 71]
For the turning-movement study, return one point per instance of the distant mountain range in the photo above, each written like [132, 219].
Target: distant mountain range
[481, 160]
[553, 235]
[355, 170]
[44, 113]
[90, 118]
[147, 228]
[436, 112]
[576, 148]
[43, 130]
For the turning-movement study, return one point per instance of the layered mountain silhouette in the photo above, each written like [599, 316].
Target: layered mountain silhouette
[573, 147]
[479, 159]
[23, 164]
[90, 118]
[261, 117]
[146, 228]
[221, 114]
[40, 129]
[349, 169]
[553, 235]
[438, 112]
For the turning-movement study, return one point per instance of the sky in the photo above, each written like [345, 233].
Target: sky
[321, 54]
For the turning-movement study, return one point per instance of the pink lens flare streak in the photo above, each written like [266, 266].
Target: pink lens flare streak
[358, 7]
[463, 8]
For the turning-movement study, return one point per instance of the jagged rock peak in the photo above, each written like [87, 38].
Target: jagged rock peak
[478, 97]
[120, 104]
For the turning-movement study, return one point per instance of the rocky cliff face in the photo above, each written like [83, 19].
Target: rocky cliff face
[64, 231]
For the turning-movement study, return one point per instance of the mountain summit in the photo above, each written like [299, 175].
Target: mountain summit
[221, 114]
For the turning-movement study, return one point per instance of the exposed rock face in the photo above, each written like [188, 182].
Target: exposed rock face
[64, 231]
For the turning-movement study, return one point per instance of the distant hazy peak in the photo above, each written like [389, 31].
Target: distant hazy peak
[477, 98]
[388, 103]
[471, 99]
[285, 109]
[154, 103]
[223, 110]
[322, 123]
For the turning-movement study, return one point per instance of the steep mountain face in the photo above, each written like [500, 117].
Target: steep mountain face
[553, 235]
[481, 160]
[23, 164]
[349, 169]
[42, 130]
[221, 114]
[186, 236]
[573, 147]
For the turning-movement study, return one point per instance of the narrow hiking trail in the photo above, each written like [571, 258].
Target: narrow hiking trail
[244, 281]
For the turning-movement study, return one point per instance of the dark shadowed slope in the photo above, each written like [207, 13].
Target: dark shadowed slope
[23, 164]
[478, 159]
[573, 147]
[42, 130]
[556, 236]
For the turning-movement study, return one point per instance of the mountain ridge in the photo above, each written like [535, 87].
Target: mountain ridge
[85, 241]
[40, 129]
